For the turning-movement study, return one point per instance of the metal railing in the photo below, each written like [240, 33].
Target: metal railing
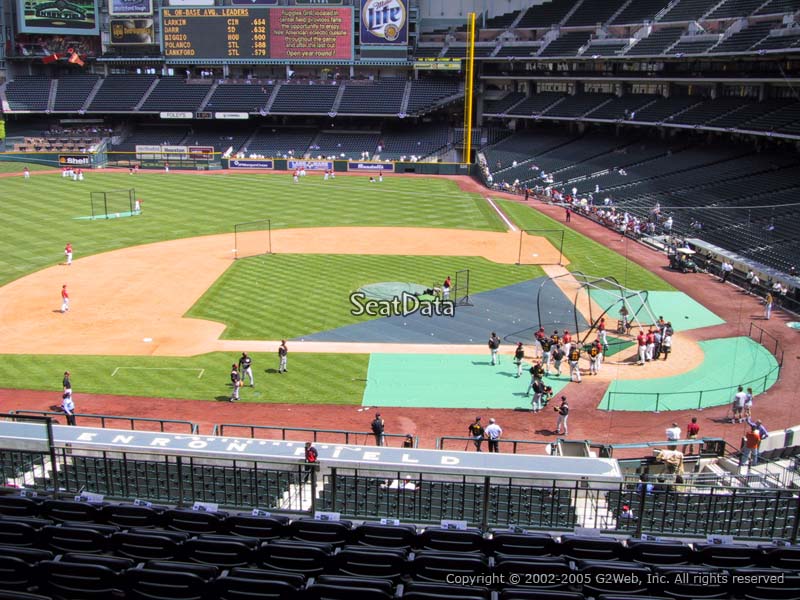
[516, 446]
[759, 384]
[335, 436]
[105, 420]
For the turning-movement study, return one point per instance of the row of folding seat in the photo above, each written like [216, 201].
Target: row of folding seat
[75, 576]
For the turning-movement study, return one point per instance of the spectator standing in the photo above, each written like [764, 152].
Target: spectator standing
[768, 302]
[311, 459]
[408, 442]
[378, 427]
[739, 398]
[673, 435]
[750, 449]
[493, 433]
[762, 435]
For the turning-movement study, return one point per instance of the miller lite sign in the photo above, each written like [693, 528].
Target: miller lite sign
[384, 22]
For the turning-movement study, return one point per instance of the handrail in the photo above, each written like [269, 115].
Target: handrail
[193, 427]
[350, 437]
[440, 442]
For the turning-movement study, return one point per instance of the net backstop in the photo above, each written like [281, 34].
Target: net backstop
[253, 238]
[113, 204]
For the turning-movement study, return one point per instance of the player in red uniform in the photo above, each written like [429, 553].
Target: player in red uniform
[64, 298]
[68, 253]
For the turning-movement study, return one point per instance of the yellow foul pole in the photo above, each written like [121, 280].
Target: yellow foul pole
[468, 87]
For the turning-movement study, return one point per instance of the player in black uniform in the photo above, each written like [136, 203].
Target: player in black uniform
[246, 368]
[519, 356]
[547, 349]
[476, 432]
[573, 358]
[236, 381]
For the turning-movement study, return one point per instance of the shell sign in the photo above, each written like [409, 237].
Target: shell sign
[384, 22]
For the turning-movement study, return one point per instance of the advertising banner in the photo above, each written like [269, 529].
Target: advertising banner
[231, 115]
[74, 160]
[310, 165]
[132, 32]
[130, 8]
[239, 163]
[46, 16]
[176, 115]
[384, 22]
[371, 167]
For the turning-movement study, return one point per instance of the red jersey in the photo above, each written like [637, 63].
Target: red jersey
[602, 325]
[692, 429]
[640, 339]
[567, 338]
[651, 338]
[68, 248]
[64, 293]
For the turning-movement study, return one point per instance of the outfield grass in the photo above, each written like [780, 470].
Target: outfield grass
[586, 255]
[17, 166]
[38, 214]
[312, 378]
[291, 295]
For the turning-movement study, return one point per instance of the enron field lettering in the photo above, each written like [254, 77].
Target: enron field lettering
[258, 33]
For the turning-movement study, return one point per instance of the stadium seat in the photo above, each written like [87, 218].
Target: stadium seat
[385, 536]
[781, 557]
[357, 589]
[15, 595]
[263, 528]
[153, 545]
[194, 522]
[767, 584]
[451, 540]
[550, 572]
[526, 593]
[75, 538]
[726, 555]
[77, 581]
[16, 573]
[19, 506]
[416, 590]
[294, 557]
[358, 561]
[658, 553]
[690, 585]
[69, 510]
[529, 544]
[613, 577]
[228, 587]
[19, 532]
[204, 572]
[219, 551]
[115, 563]
[152, 584]
[130, 515]
[296, 580]
[29, 555]
[437, 566]
[590, 548]
[336, 533]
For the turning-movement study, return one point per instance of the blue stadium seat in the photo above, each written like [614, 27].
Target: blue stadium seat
[439, 566]
[417, 590]
[130, 515]
[359, 561]
[86, 538]
[216, 550]
[336, 533]
[69, 510]
[546, 572]
[452, 540]
[194, 522]
[294, 557]
[658, 553]
[19, 506]
[228, 587]
[528, 544]
[613, 577]
[590, 548]
[152, 584]
[726, 555]
[385, 536]
[263, 528]
[147, 545]
[77, 581]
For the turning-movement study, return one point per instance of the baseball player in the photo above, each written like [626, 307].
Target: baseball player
[64, 298]
[494, 346]
[282, 353]
[574, 368]
[446, 288]
[539, 336]
[26, 173]
[566, 341]
[595, 356]
[601, 328]
[650, 340]
[547, 353]
[519, 356]
[246, 368]
[558, 357]
[641, 341]
[476, 432]
[236, 381]
[68, 253]
[166, 167]
[67, 404]
[563, 413]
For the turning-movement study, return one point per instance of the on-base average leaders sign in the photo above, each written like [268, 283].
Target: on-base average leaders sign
[238, 32]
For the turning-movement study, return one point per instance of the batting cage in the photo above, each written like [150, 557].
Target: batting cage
[253, 238]
[113, 204]
[533, 252]
[577, 302]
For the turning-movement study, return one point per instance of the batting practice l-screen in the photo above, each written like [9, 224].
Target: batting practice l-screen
[113, 204]
[252, 239]
[532, 252]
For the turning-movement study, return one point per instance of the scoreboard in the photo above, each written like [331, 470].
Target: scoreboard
[249, 33]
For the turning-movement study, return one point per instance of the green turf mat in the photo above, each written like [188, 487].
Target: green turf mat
[616, 345]
[728, 363]
[449, 381]
[681, 310]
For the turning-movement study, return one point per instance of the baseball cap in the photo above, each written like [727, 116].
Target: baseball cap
[477, 418]
[491, 420]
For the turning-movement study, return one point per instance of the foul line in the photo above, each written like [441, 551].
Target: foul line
[199, 375]
[499, 212]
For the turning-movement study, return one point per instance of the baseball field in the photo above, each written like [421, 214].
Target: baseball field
[160, 308]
